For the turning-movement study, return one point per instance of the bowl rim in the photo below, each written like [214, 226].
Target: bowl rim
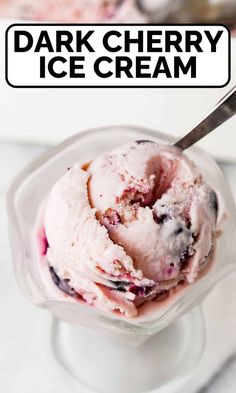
[150, 326]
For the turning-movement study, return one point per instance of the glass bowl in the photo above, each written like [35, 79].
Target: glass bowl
[27, 193]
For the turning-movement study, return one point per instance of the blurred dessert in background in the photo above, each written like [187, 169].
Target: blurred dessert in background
[190, 11]
[67, 11]
[122, 11]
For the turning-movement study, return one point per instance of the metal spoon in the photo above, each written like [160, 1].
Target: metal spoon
[223, 111]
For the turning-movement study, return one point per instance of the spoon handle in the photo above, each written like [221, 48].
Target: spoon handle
[224, 110]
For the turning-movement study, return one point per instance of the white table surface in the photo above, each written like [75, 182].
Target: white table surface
[26, 362]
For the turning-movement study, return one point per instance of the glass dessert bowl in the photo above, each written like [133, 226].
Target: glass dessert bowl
[25, 199]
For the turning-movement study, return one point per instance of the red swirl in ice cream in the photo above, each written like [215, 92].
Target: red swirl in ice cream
[132, 226]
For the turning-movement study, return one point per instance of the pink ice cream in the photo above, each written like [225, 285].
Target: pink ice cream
[81, 11]
[136, 223]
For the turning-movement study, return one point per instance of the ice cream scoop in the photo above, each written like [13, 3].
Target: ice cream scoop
[130, 227]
